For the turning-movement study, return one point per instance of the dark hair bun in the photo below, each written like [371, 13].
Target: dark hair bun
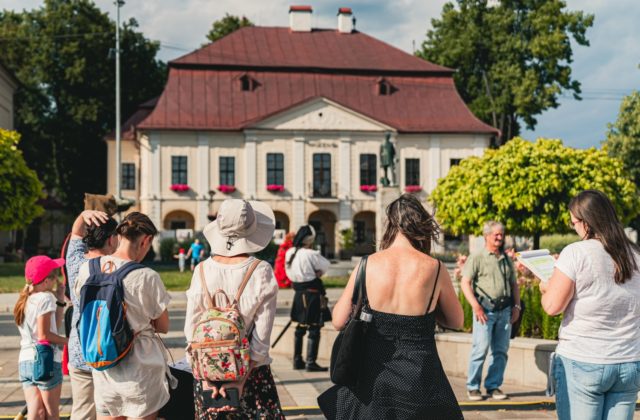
[135, 225]
[96, 236]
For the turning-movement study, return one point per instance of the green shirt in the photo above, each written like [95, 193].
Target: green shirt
[488, 272]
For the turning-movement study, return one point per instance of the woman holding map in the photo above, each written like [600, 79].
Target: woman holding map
[596, 284]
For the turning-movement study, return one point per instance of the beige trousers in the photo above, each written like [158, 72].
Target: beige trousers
[84, 408]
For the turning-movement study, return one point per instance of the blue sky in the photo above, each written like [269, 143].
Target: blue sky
[608, 69]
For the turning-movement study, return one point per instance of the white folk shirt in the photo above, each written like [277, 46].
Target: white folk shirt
[137, 386]
[257, 303]
[38, 304]
[602, 321]
[305, 265]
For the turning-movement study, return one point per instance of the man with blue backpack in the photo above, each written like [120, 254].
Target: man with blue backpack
[123, 305]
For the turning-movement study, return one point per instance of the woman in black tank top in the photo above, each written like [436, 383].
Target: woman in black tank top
[401, 376]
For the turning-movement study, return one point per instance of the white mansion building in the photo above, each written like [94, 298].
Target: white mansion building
[294, 117]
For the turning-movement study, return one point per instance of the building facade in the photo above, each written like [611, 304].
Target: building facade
[294, 117]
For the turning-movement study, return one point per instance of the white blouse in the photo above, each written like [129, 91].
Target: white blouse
[257, 303]
[305, 265]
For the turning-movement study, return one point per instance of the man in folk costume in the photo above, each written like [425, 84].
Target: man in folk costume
[304, 267]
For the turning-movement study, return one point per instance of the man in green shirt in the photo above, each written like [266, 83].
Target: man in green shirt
[489, 284]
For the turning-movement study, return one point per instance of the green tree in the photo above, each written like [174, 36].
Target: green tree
[623, 140]
[20, 188]
[512, 60]
[226, 25]
[527, 186]
[66, 102]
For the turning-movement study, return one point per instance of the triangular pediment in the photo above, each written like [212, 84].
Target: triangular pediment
[321, 114]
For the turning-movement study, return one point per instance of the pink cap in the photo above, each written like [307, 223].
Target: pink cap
[39, 267]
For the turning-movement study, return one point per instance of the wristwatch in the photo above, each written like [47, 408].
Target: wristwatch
[60, 304]
[517, 306]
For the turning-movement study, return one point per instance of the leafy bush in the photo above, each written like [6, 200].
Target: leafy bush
[166, 249]
[347, 241]
[555, 243]
[536, 323]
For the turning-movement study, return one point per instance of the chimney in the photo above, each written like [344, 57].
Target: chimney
[345, 22]
[300, 18]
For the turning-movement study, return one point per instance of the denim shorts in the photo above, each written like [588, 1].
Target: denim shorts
[25, 372]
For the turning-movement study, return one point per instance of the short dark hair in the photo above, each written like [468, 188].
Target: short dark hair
[408, 216]
[96, 236]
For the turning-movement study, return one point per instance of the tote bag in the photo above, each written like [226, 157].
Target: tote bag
[346, 351]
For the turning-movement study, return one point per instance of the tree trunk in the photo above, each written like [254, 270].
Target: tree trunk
[536, 241]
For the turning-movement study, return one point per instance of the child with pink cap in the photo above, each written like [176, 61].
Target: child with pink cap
[38, 314]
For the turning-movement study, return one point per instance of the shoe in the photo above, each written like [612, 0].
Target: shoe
[474, 395]
[496, 394]
[314, 367]
[298, 363]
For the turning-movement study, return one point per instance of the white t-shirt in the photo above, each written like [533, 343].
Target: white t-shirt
[137, 386]
[257, 303]
[38, 304]
[304, 266]
[602, 321]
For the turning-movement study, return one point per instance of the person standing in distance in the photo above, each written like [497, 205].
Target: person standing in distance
[196, 252]
[489, 284]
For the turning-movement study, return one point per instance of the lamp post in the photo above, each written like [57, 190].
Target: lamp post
[118, 3]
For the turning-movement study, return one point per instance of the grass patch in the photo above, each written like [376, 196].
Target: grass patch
[11, 277]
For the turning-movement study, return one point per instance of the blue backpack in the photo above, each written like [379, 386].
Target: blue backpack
[105, 335]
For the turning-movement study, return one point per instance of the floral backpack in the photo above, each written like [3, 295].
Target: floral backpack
[219, 348]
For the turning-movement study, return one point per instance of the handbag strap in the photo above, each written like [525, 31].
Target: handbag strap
[359, 298]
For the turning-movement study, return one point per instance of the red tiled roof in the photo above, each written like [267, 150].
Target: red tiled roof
[346, 10]
[203, 91]
[320, 49]
[300, 9]
[128, 129]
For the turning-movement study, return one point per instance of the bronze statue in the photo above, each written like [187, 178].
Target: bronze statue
[387, 160]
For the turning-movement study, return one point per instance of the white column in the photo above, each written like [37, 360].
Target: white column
[155, 210]
[203, 181]
[251, 162]
[345, 213]
[299, 180]
[434, 163]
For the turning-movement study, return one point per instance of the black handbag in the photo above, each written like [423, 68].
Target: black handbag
[347, 349]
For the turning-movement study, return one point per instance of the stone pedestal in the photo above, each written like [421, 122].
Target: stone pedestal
[384, 197]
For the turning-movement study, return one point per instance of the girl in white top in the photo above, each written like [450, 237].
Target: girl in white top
[38, 314]
[138, 386]
[241, 228]
[596, 283]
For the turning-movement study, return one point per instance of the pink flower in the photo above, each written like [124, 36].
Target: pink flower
[275, 187]
[413, 188]
[226, 189]
[369, 188]
[179, 187]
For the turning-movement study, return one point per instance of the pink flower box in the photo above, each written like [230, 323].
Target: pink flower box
[275, 188]
[368, 188]
[226, 189]
[179, 187]
[413, 188]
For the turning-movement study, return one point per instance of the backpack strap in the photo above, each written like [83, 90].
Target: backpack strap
[246, 278]
[127, 268]
[203, 285]
[94, 266]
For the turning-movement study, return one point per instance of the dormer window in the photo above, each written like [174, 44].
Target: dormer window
[384, 87]
[247, 83]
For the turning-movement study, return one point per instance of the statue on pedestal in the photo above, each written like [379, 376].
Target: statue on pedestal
[387, 161]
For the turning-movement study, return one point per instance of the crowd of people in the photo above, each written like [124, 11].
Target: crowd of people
[596, 284]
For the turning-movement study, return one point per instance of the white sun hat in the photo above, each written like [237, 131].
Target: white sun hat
[241, 227]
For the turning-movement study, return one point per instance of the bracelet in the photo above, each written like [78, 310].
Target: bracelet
[518, 307]
[60, 304]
